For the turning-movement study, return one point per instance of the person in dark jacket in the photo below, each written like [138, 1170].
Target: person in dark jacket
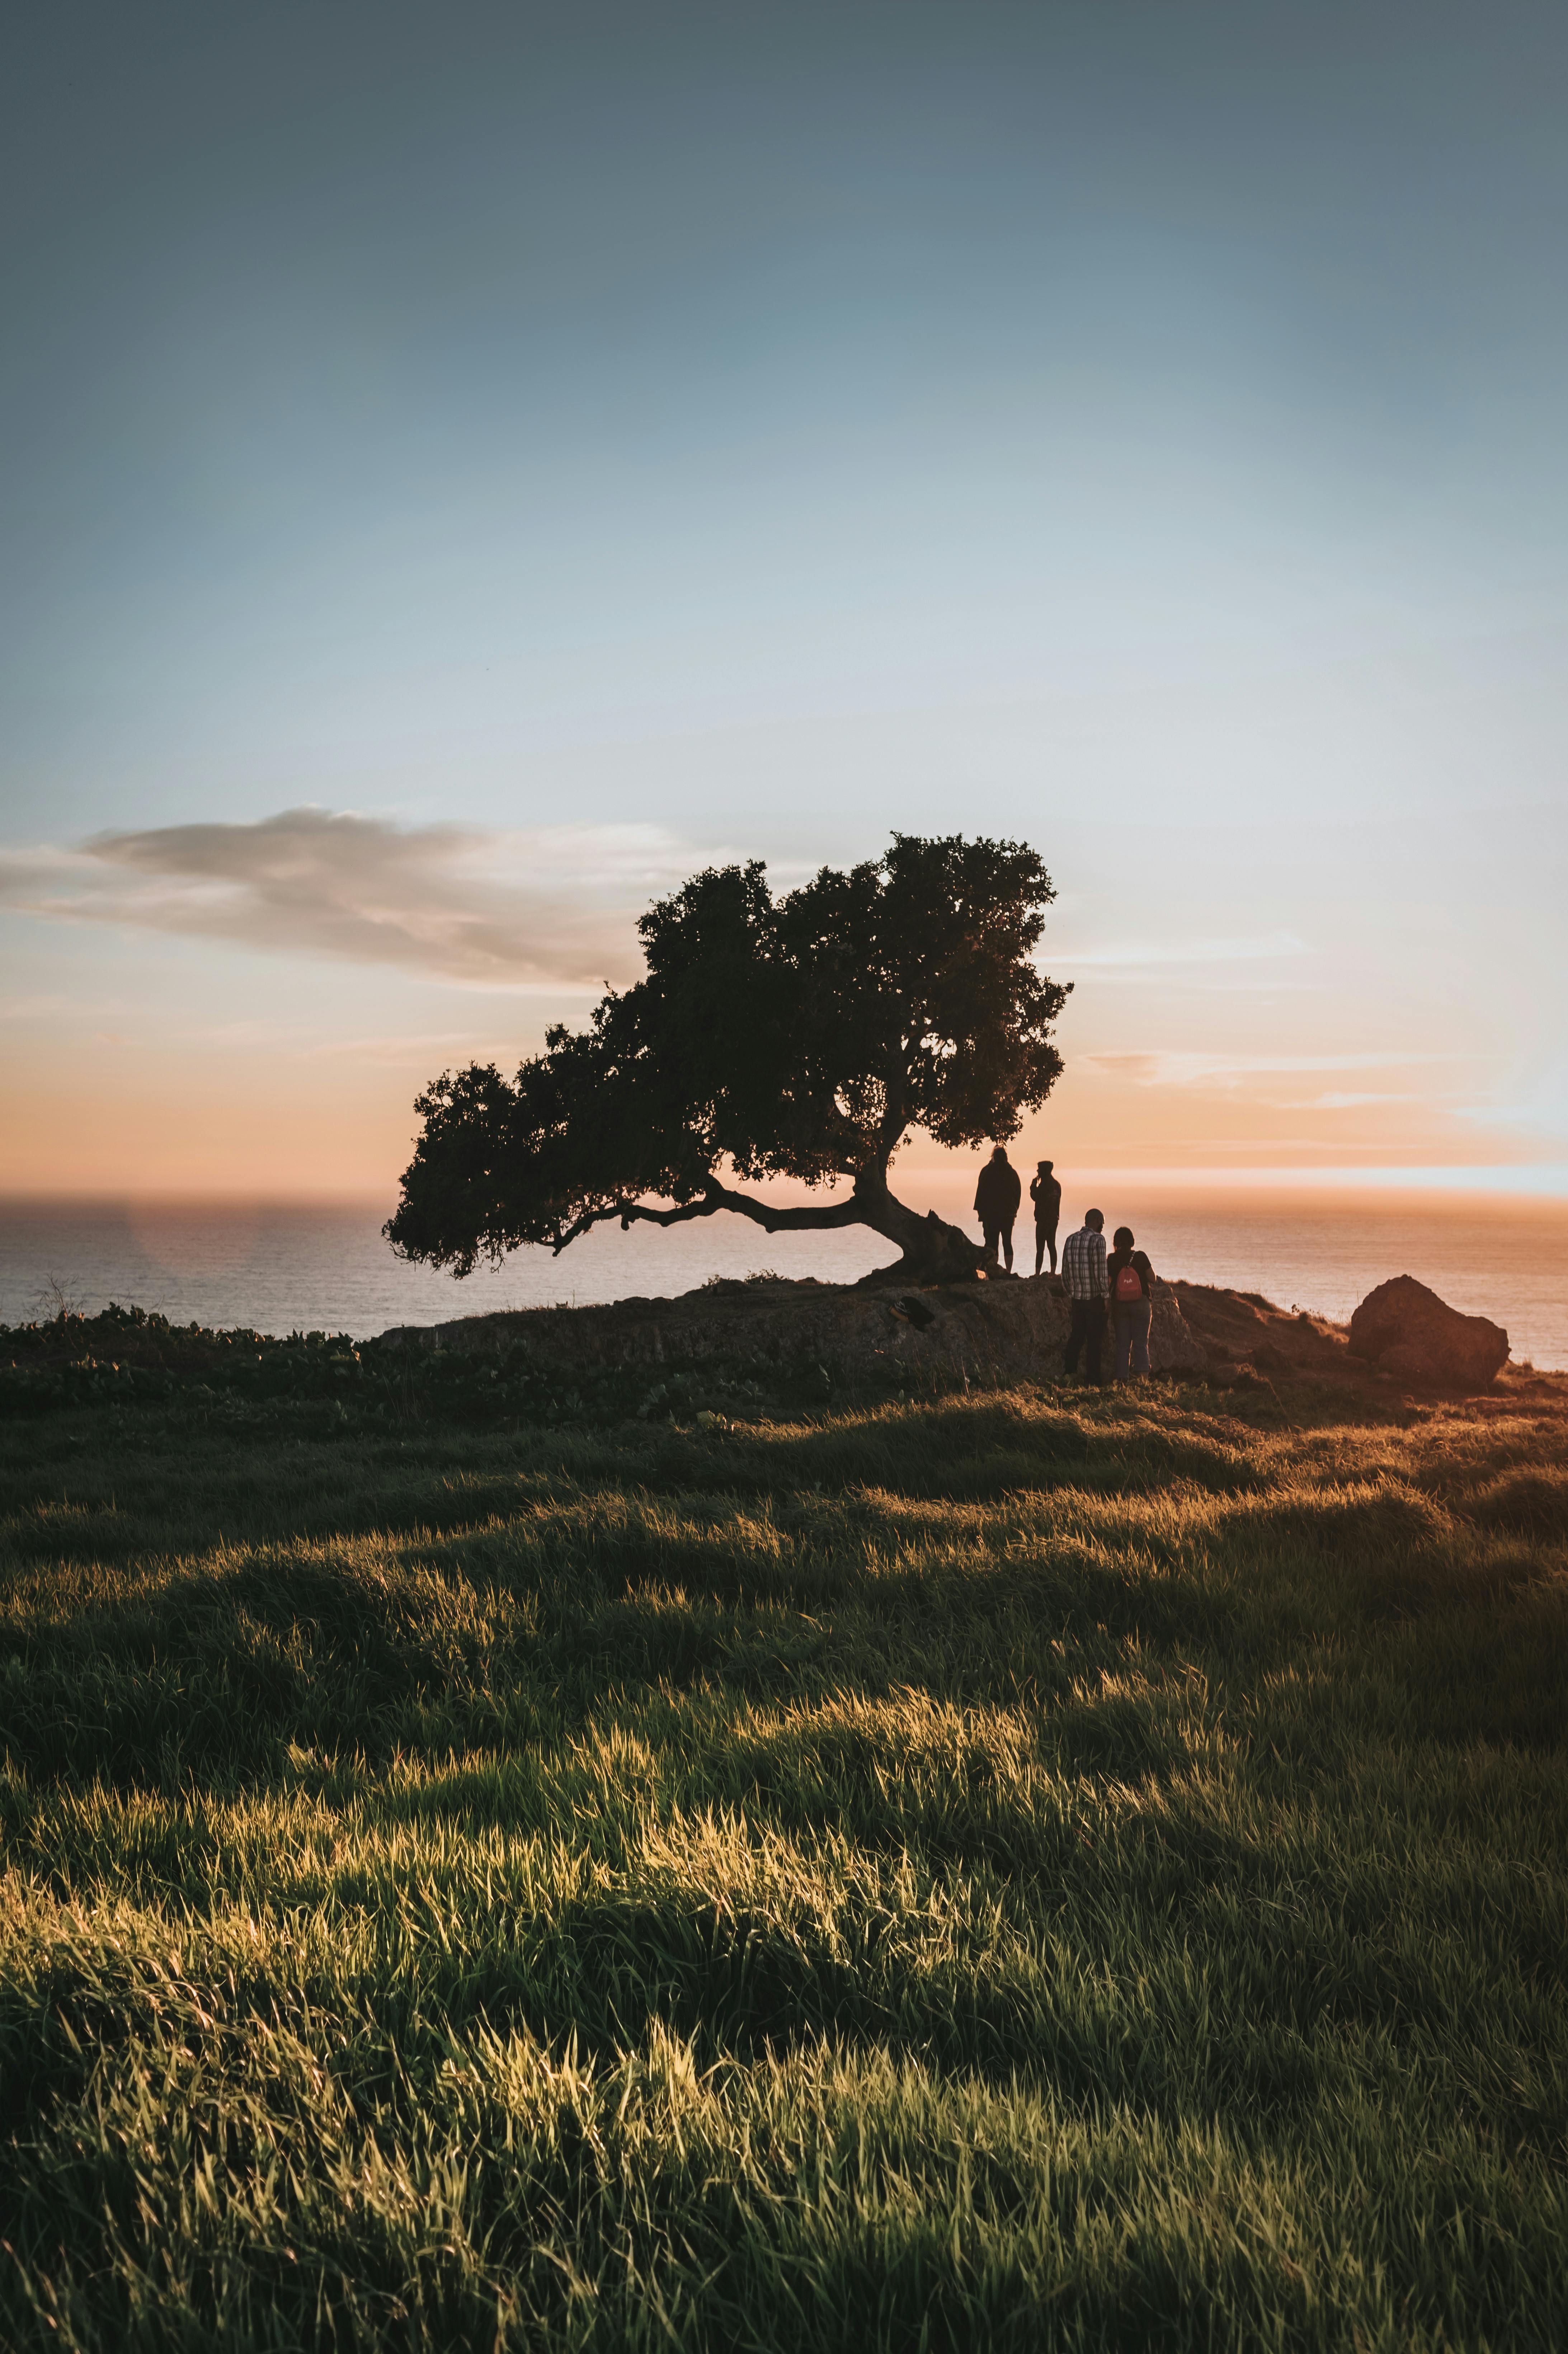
[1131, 1280]
[997, 1196]
[1045, 1192]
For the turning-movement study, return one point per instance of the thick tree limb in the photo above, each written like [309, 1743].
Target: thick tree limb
[931, 1249]
[807, 1218]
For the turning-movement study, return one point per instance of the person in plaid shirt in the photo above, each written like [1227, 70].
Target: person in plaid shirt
[1088, 1289]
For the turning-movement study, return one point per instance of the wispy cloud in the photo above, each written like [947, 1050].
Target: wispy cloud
[299, 1042]
[1146, 955]
[1541, 1108]
[1234, 1071]
[556, 905]
[1348, 1099]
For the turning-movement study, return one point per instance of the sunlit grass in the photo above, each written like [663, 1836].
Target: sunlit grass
[1012, 1869]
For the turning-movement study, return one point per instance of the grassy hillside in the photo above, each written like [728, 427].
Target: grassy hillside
[714, 1868]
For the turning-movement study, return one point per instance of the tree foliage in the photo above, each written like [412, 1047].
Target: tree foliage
[802, 1036]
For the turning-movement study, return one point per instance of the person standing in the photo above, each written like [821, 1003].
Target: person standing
[1045, 1192]
[1131, 1280]
[997, 1196]
[1088, 1289]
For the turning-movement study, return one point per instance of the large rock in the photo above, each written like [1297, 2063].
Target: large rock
[994, 1332]
[1406, 1330]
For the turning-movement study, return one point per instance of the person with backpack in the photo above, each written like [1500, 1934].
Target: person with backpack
[1131, 1280]
[1045, 1192]
[997, 1197]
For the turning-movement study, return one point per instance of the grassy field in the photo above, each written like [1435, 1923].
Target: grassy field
[1029, 1869]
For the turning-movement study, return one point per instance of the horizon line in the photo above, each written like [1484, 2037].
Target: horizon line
[1543, 1181]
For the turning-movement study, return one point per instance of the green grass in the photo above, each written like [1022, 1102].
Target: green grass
[1023, 1870]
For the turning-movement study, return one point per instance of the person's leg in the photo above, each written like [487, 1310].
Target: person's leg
[1040, 1250]
[989, 1233]
[1051, 1244]
[1006, 1243]
[1138, 1324]
[1077, 1333]
[1095, 1315]
[1121, 1330]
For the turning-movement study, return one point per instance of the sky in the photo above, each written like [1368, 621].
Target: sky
[464, 470]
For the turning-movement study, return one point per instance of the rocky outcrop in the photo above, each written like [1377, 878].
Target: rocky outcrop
[1405, 1330]
[998, 1332]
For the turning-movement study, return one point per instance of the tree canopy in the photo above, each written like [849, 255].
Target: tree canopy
[802, 1036]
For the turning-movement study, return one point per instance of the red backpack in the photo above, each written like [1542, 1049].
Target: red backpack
[1128, 1282]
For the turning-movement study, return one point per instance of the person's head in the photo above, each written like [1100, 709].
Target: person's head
[1095, 1218]
[998, 1152]
[1045, 1167]
[1124, 1238]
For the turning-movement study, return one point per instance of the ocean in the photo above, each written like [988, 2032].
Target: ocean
[314, 1266]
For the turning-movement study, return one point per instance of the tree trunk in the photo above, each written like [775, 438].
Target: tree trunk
[933, 1252]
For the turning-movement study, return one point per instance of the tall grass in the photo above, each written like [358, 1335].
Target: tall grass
[1023, 1869]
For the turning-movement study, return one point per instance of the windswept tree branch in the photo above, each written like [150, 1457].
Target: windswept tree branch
[775, 1218]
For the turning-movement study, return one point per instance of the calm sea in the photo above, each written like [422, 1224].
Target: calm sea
[282, 1267]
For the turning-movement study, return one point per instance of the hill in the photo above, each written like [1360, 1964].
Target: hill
[1012, 1330]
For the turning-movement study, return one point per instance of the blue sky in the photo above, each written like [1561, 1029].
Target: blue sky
[571, 445]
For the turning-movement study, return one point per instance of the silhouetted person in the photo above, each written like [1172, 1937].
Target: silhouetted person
[1131, 1280]
[1084, 1273]
[997, 1196]
[1045, 1192]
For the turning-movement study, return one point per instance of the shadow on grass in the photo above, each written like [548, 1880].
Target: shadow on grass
[945, 1545]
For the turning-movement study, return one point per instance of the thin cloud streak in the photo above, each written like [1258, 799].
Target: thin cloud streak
[553, 908]
[1141, 956]
[1168, 1069]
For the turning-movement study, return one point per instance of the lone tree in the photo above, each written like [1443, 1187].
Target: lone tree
[801, 1037]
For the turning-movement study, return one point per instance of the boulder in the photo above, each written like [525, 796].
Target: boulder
[1408, 1332]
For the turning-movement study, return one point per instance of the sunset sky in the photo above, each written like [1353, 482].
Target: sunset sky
[462, 468]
